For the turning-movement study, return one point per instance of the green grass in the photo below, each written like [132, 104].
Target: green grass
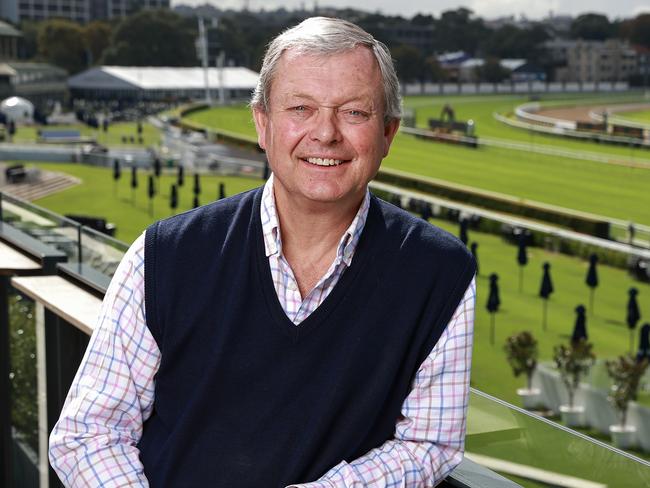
[639, 116]
[610, 190]
[150, 135]
[99, 196]
[520, 311]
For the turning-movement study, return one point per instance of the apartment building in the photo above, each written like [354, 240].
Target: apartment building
[77, 10]
[595, 61]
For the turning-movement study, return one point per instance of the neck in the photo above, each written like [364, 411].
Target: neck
[313, 225]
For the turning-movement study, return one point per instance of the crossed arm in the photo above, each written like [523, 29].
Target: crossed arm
[94, 441]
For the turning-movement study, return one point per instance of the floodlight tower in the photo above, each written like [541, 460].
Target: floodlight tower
[203, 40]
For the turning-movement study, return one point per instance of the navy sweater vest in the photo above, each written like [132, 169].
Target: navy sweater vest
[245, 398]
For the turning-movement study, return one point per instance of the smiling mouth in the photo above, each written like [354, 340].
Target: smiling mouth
[324, 161]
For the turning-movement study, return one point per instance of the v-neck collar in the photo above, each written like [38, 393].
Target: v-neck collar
[364, 253]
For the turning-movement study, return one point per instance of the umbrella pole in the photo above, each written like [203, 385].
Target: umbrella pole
[492, 328]
[632, 342]
[544, 314]
[591, 300]
[521, 278]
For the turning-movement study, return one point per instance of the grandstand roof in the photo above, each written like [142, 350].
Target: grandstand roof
[161, 78]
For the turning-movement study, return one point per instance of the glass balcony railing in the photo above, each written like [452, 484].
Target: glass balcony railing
[505, 440]
[81, 244]
[537, 452]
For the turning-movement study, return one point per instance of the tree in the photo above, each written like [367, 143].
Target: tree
[96, 37]
[153, 38]
[573, 362]
[509, 41]
[626, 373]
[521, 352]
[28, 48]
[459, 30]
[408, 63]
[60, 42]
[592, 27]
[637, 30]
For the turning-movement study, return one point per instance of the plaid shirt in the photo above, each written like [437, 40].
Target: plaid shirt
[94, 442]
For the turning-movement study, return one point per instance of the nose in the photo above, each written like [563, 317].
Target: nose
[325, 128]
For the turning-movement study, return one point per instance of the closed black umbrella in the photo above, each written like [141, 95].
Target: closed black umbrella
[462, 232]
[117, 174]
[633, 315]
[222, 190]
[592, 280]
[180, 180]
[545, 290]
[157, 167]
[134, 181]
[493, 303]
[173, 199]
[580, 328]
[197, 185]
[522, 257]
[151, 192]
[644, 343]
[474, 249]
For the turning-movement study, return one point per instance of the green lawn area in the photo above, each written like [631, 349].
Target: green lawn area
[640, 116]
[99, 196]
[610, 190]
[520, 311]
[150, 135]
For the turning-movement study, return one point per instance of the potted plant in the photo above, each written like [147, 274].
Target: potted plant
[521, 352]
[573, 363]
[626, 373]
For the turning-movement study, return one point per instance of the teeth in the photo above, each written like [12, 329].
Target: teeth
[324, 162]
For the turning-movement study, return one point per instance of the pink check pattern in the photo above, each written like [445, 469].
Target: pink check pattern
[94, 442]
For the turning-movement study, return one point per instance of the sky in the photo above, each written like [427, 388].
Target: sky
[488, 9]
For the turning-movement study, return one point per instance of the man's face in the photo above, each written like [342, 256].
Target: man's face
[324, 131]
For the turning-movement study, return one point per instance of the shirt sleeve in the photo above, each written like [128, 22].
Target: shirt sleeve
[430, 436]
[94, 441]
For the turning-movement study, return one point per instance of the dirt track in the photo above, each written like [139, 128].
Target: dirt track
[578, 114]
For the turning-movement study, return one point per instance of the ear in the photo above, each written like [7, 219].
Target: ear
[390, 129]
[261, 121]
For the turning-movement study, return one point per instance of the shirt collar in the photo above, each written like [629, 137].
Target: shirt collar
[271, 227]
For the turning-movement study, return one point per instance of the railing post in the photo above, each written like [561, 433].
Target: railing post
[6, 461]
[79, 227]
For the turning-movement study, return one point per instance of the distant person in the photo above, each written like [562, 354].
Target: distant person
[305, 331]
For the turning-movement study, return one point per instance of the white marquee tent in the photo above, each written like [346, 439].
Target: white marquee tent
[17, 109]
[155, 83]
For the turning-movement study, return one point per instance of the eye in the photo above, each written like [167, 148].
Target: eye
[354, 115]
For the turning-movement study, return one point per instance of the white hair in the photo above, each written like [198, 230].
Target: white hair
[327, 36]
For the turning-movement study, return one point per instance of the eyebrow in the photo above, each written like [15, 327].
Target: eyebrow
[302, 96]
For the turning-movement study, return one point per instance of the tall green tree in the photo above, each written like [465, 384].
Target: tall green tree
[409, 63]
[97, 37]
[593, 27]
[153, 38]
[60, 42]
[459, 30]
[510, 41]
[637, 30]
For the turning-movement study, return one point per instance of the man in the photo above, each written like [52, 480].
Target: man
[305, 332]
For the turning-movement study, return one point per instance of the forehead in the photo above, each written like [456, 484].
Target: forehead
[349, 74]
